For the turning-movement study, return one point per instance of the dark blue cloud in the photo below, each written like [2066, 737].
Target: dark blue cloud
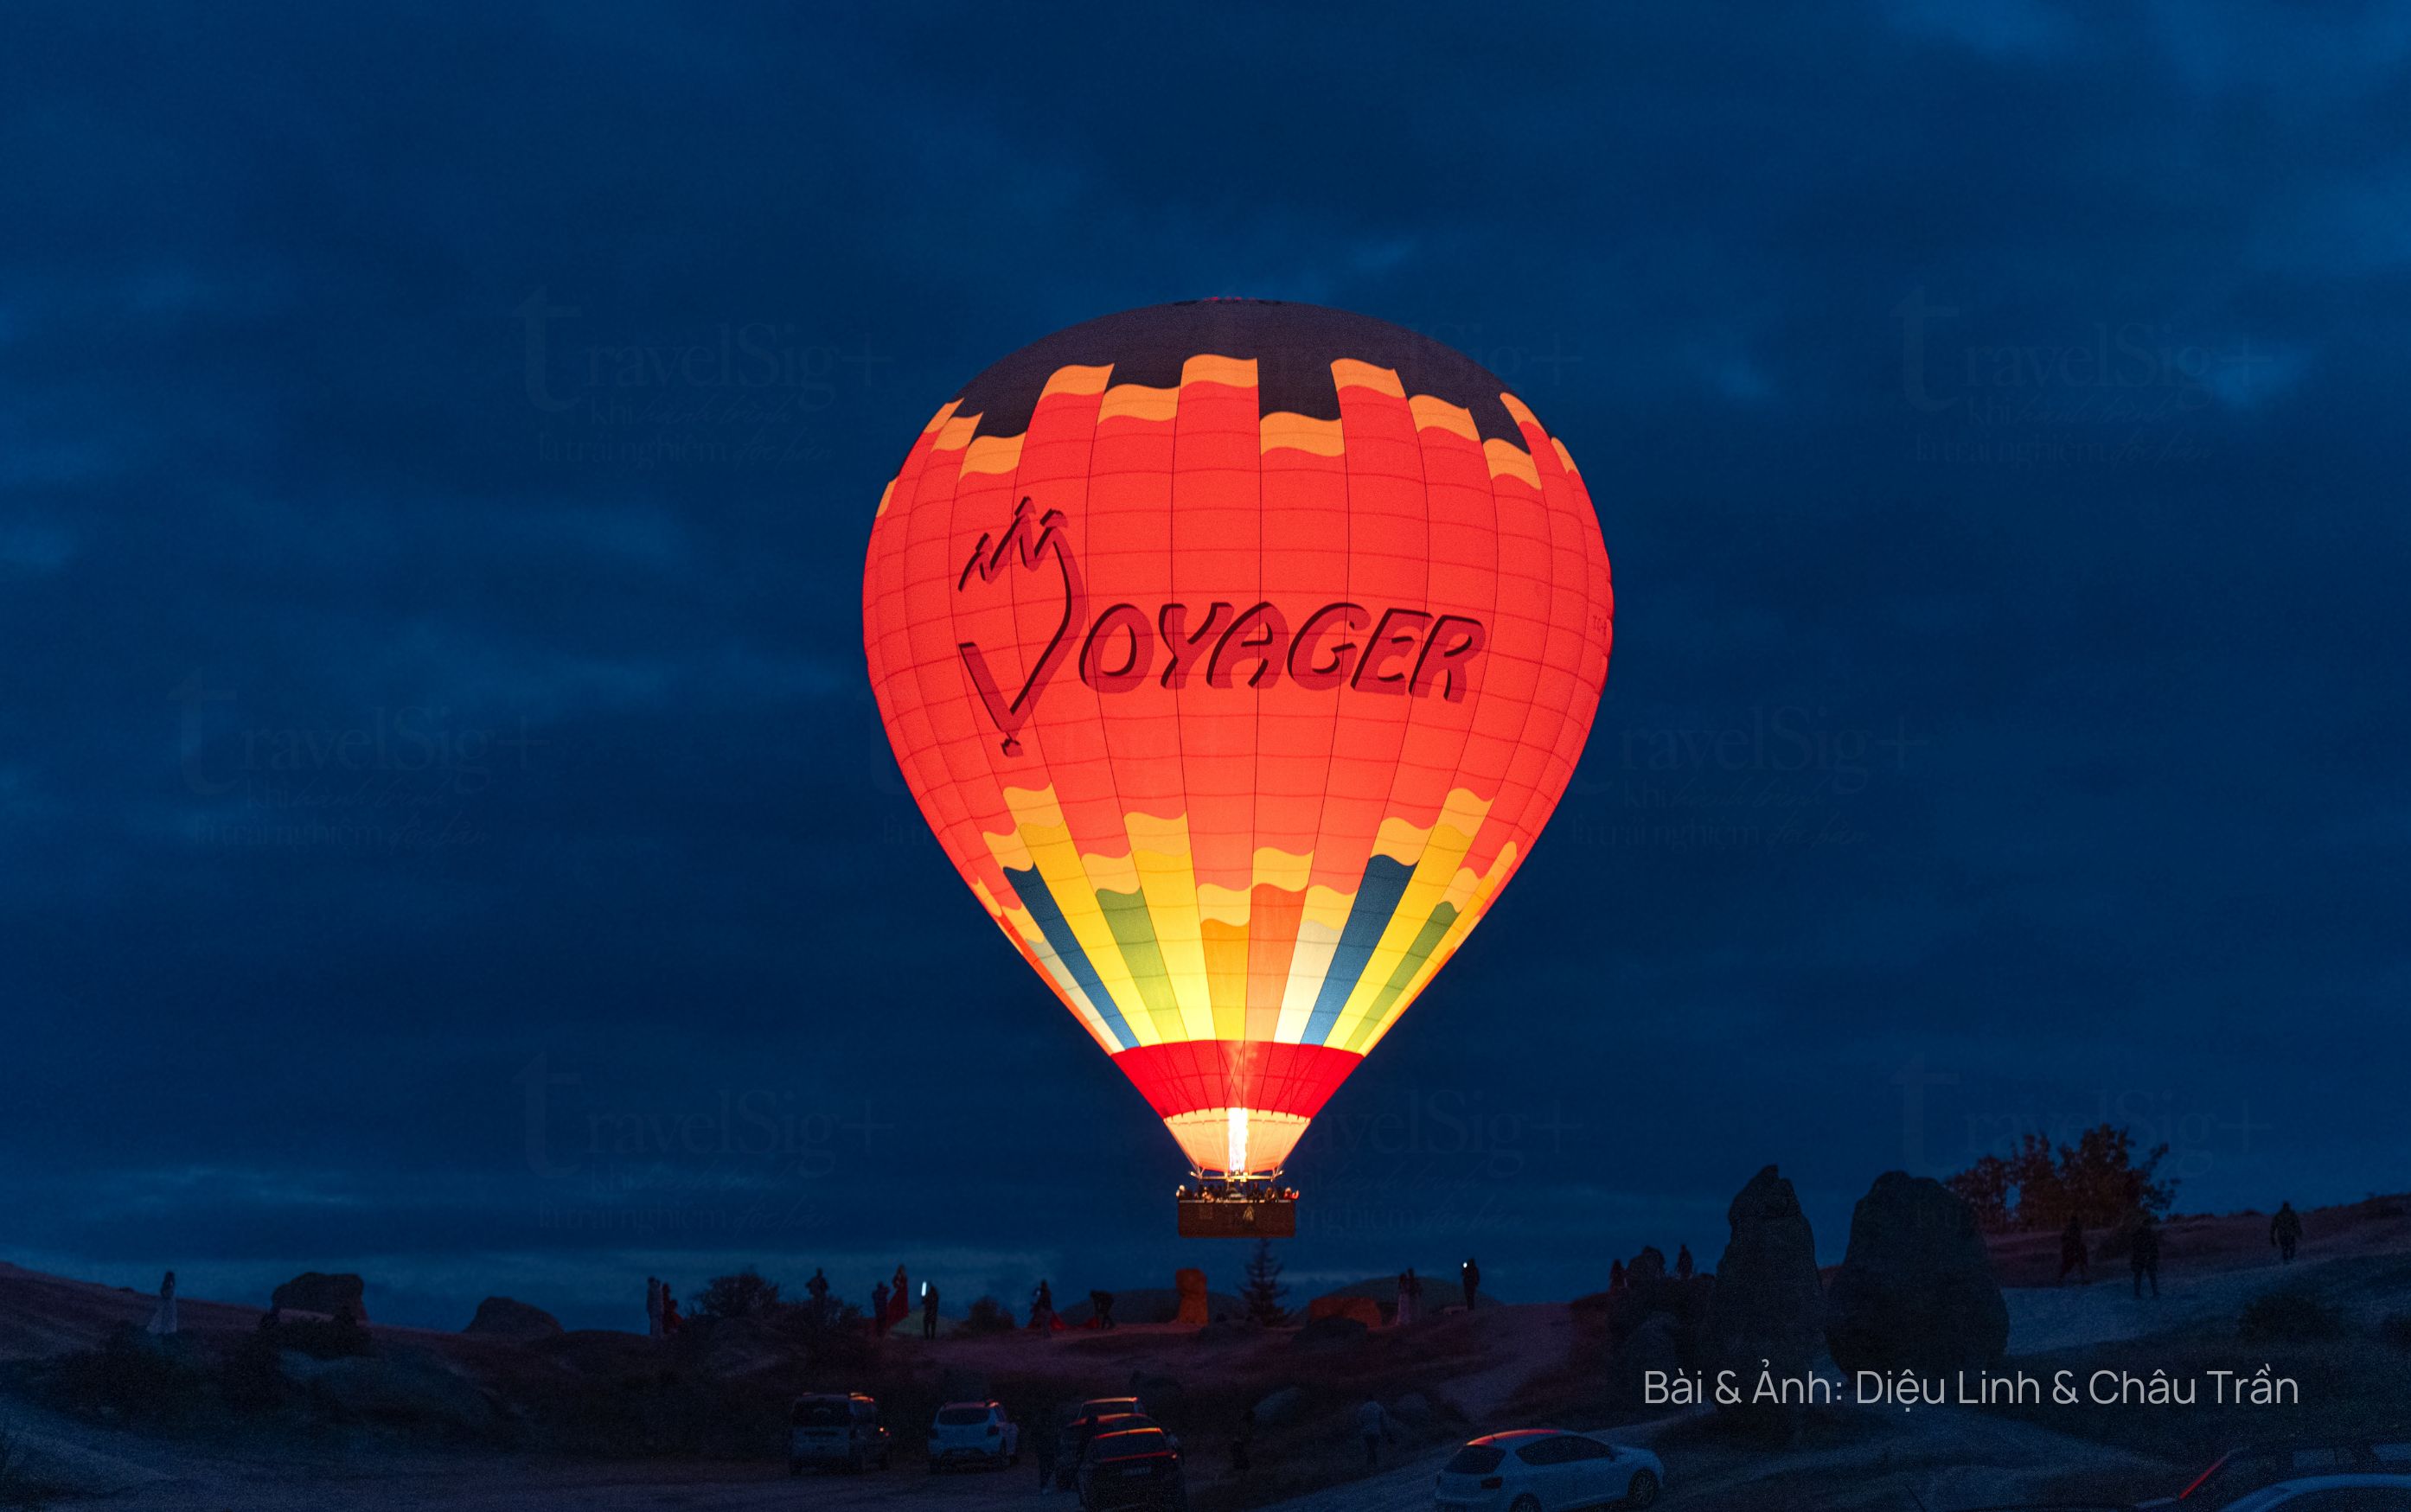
[434, 463]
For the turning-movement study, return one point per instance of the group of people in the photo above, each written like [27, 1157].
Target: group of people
[891, 1303]
[1410, 1290]
[2144, 1252]
[1648, 1266]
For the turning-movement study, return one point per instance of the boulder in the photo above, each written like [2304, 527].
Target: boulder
[325, 1295]
[1363, 1310]
[1279, 1407]
[1195, 1312]
[1769, 1302]
[1654, 1345]
[731, 1348]
[411, 1388]
[501, 1317]
[1334, 1332]
[1915, 1291]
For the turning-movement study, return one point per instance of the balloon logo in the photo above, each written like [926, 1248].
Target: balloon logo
[1236, 652]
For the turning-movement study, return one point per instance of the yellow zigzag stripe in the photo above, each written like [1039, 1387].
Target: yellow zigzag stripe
[1161, 852]
[1469, 913]
[1439, 852]
[1200, 931]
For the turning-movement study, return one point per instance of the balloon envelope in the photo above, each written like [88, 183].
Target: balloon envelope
[1236, 651]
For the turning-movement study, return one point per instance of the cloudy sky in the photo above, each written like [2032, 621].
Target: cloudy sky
[449, 835]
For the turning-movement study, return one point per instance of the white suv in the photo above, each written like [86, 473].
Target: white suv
[973, 1433]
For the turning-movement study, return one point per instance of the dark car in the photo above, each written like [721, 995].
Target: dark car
[835, 1429]
[1098, 1413]
[1133, 1467]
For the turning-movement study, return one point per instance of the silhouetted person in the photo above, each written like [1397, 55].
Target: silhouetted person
[1041, 1306]
[1683, 1264]
[1050, 1440]
[1471, 1274]
[671, 1322]
[900, 1297]
[1615, 1275]
[2145, 1259]
[163, 1317]
[2073, 1261]
[2285, 1231]
[817, 1288]
[1101, 1303]
[1406, 1312]
[879, 1311]
[652, 1307]
[928, 1310]
[1373, 1422]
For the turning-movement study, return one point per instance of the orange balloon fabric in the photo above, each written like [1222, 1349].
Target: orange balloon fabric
[1236, 651]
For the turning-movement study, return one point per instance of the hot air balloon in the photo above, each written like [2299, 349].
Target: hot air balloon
[1236, 651]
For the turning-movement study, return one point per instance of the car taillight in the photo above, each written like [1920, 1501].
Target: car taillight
[1494, 1482]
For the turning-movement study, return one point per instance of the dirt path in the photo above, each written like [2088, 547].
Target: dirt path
[1529, 1339]
[2045, 1318]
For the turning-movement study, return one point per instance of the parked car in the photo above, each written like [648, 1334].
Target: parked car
[973, 1433]
[2330, 1493]
[835, 1429]
[1133, 1467]
[1120, 1415]
[2247, 1469]
[1543, 1470]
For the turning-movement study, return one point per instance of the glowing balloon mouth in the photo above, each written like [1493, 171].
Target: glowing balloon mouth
[1236, 1142]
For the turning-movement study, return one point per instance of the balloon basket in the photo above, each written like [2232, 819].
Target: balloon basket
[1235, 1209]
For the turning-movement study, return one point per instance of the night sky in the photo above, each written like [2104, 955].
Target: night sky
[449, 834]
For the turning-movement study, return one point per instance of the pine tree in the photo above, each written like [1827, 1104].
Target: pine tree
[1264, 1291]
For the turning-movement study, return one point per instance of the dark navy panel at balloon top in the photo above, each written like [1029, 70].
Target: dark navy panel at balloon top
[1292, 345]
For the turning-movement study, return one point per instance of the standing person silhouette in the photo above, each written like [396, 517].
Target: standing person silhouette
[817, 1288]
[928, 1310]
[1050, 1444]
[2145, 1259]
[2285, 1231]
[879, 1311]
[2073, 1261]
[1472, 1277]
[163, 1317]
[652, 1307]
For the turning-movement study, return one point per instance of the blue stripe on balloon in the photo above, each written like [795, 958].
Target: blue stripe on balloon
[1377, 898]
[1031, 888]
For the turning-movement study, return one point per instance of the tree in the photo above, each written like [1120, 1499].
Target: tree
[1986, 1187]
[1264, 1291]
[746, 1294]
[2097, 1180]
